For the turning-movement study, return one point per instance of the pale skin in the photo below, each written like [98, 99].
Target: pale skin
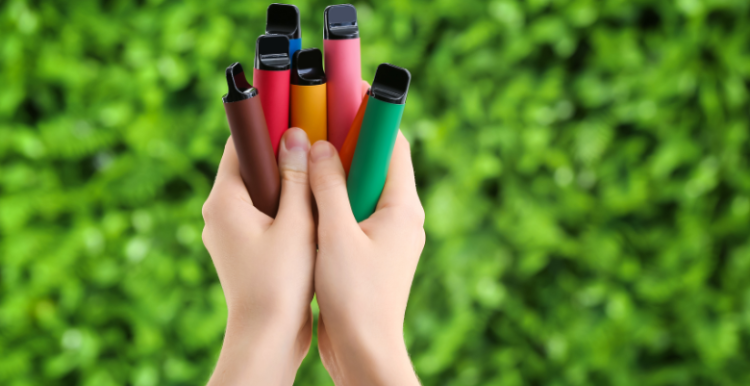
[269, 269]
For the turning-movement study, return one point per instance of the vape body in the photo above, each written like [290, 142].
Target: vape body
[257, 161]
[294, 46]
[308, 90]
[343, 70]
[350, 144]
[271, 77]
[377, 136]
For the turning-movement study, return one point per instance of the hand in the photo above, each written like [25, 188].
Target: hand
[364, 271]
[265, 267]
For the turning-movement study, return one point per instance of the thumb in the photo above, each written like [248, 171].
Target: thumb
[295, 202]
[328, 184]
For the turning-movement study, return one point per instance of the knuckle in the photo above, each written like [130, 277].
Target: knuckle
[205, 236]
[420, 215]
[326, 181]
[416, 216]
[294, 176]
[213, 210]
[414, 221]
[207, 210]
[421, 238]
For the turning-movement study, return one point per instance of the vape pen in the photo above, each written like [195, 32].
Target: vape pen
[252, 142]
[309, 94]
[343, 69]
[271, 78]
[350, 144]
[283, 19]
[377, 136]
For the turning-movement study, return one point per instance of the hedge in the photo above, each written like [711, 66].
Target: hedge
[583, 165]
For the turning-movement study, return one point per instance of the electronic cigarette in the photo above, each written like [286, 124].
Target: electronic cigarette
[271, 78]
[251, 140]
[343, 70]
[350, 144]
[378, 133]
[283, 19]
[309, 94]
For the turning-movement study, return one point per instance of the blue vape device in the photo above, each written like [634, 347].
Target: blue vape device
[283, 19]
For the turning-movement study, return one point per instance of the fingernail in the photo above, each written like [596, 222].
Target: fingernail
[294, 154]
[296, 140]
[321, 150]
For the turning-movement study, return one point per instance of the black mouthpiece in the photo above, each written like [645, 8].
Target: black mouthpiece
[340, 22]
[307, 69]
[283, 19]
[239, 88]
[272, 52]
[391, 84]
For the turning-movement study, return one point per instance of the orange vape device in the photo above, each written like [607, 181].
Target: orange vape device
[347, 151]
[308, 105]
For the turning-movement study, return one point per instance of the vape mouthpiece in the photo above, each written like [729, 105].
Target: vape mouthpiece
[340, 22]
[272, 53]
[391, 84]
[283, 19]
[239, 88]
[307, 68]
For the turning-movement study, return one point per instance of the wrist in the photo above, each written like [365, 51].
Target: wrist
[278, 318]
[260, 350]
[374, 357]
[289, 331]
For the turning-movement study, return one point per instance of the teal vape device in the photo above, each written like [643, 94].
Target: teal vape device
[377, 138]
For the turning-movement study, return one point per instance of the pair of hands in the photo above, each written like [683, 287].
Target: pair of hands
[270, 269]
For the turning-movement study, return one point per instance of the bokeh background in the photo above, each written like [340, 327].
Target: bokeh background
[583, 165]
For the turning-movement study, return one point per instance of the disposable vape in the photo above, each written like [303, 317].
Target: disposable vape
[283, 19]
[377, 136]
[309, 94]
[343, 69]
[251, 140]
[271, 78]
[350, 144]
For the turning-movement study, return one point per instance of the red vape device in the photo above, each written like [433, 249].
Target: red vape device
[271, 77]
[343, 70]
[248, 126]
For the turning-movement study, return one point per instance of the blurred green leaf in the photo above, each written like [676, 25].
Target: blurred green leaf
[583, 165]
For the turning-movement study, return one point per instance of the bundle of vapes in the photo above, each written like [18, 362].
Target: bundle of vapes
[292, 89]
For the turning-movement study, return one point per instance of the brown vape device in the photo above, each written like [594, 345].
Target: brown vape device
[251, 140]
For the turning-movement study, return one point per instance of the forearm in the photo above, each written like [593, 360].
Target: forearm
[258, 353]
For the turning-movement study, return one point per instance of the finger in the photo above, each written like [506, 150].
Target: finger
[229, 200]
[295, 187]
[400, 186]
[365, 87]
[328, 185]
[228, 178]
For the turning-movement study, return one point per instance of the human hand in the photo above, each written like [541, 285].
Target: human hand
[265, 267]
[363, 272]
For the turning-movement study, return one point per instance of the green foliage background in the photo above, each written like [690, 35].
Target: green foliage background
[583, 165]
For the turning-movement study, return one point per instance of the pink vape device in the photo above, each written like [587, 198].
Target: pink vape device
[271, 77]
[343, 70]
